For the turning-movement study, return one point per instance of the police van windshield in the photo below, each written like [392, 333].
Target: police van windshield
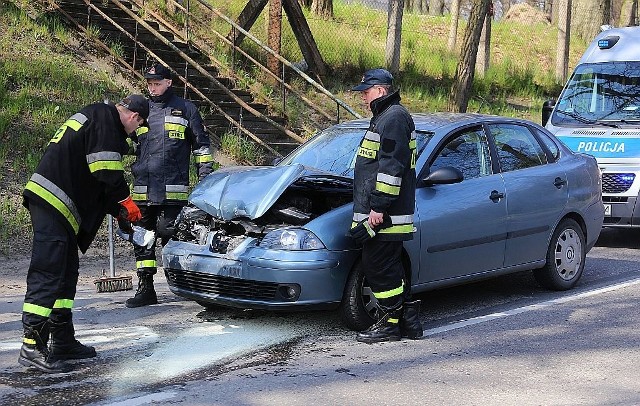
[600, 94]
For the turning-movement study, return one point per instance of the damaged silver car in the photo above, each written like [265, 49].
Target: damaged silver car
[495, 195]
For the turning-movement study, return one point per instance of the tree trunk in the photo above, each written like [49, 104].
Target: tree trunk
[628, 13]
[453, 29]
[394, 36]
[436, 7]
[484, 47]
[274, 35]
[564, 34]
[463, 79]
[506, 5]
[322, 8]
[587, 16]
[305, 3]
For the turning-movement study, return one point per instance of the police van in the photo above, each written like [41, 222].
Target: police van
[598, 113]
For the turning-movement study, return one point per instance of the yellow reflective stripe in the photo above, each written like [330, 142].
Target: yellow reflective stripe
[412, 144]
[73, 124]
[201, 159]
[389, 293]
[142, 130]
[106, 165]
[63, 304]
[394, 321]
[35, 309]
[138, 196]
[147, 263]
[174, 127]
[370, 145]
[55, 202]
[388, 189]
[367, 153]
[402, 229]
[177, 195]
[29, 341]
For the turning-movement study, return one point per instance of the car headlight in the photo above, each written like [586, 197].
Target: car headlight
[293, 239]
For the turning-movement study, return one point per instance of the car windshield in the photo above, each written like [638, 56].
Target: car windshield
[600, 93]
[334, 150]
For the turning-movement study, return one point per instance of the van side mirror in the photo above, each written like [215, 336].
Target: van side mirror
[547, 109]
[443, 176]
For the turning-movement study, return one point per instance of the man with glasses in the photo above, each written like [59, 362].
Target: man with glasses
[79, 179]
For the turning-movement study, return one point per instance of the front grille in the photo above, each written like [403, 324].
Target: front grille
[617, 182]
[199, 282]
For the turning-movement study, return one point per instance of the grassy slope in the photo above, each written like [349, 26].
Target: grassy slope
[41, 85]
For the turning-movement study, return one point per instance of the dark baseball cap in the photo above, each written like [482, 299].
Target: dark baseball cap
[138, 104]
[157, 71]
[374, 77]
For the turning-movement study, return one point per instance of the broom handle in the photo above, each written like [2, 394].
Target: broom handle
[112, 265]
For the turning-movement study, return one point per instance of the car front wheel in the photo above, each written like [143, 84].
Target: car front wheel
[358, 309]
[565, 257]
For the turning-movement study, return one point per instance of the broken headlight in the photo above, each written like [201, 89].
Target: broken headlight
[291, 239]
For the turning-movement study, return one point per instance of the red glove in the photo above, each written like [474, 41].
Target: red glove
[129, 210]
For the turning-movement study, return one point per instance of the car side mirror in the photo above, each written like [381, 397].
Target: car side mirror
[547, 109]
[446, 175]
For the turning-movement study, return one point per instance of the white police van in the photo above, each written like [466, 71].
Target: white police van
[598, 113]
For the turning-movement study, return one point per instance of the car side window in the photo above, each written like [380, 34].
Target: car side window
[468, 152]
[517, 147]
[550, 144]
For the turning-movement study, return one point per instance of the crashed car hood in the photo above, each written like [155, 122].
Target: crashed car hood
[248, 191]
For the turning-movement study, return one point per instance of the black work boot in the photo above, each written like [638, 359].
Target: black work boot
[64, 344]
[385, 329]
[34, 352]
[410, 325]
[146, 294]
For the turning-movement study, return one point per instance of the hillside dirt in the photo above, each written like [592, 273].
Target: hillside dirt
[526, 14]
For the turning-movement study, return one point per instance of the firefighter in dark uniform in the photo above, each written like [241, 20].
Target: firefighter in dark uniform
[78, 181]
[161, 170]
[383, 205]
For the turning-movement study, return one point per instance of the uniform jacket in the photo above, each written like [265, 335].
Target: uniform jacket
[385, 178]
[80, 176]
[163, 152]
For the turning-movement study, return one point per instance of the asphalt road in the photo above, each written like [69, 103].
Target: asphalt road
[503, 341]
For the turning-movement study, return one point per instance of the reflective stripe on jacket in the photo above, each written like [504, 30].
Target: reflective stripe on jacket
[385, 177]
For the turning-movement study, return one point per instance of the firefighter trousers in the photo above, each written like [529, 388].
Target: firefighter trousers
[382, 266]
[158, 218]
[53, 272]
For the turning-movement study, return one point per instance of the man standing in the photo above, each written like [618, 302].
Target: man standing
[161, 170]
[383, 205]
[79, 179]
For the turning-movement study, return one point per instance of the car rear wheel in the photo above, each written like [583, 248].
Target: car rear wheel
[565, 257]
[358, 309]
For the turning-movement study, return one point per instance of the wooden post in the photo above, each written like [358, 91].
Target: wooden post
[247, 18]
[305, 39]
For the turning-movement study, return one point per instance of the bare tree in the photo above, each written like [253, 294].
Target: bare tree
[416, 6]
[305, 3]
[453, 29]
[322, 8]
[463, 79]
[394, 36]
[588, 15]
[564, 35]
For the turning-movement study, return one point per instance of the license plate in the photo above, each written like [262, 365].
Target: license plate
[607, 210]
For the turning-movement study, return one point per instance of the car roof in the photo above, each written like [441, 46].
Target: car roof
[431, 122]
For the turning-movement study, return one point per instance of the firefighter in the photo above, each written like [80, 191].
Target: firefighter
[78, 181]
[161, 170]
[383, 205]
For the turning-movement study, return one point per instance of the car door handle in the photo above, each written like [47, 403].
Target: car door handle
[496, 196]
[559, 182]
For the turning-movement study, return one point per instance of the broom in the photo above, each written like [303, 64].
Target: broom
[112, 283]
